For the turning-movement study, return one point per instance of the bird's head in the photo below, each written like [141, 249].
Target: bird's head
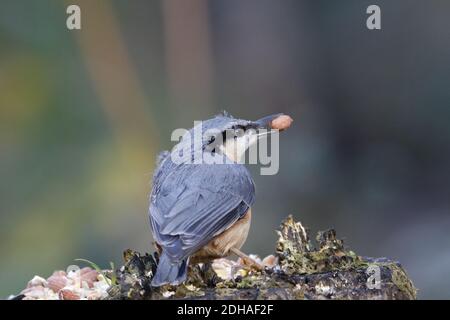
[234, 136]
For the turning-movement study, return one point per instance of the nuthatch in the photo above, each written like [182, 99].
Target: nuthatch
[200, 212]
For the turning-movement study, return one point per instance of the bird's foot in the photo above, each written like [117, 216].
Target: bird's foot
[210, 277]
[247, 261]
[202, 275]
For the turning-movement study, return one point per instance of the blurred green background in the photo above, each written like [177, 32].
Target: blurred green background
[83, 114]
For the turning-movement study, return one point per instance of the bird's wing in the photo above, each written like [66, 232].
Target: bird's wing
[187, 214]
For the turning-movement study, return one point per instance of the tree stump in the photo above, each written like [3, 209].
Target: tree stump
[298, 270]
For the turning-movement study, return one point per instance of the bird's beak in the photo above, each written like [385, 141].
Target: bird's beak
[272, 123]
[266, 122]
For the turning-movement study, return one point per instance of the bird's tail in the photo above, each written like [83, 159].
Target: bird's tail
[169, 271]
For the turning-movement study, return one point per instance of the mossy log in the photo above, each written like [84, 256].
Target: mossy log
[301, 271]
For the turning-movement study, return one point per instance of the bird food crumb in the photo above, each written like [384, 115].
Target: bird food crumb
[83, 284]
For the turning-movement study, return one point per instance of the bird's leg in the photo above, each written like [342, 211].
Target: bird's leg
[247, 260]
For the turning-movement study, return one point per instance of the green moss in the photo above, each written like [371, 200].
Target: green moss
[183, 291]
[246, 283]
[401, 280]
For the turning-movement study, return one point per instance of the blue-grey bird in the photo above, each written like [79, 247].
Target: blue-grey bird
[202, 211]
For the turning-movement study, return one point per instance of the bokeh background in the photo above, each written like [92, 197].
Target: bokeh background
[84, 113]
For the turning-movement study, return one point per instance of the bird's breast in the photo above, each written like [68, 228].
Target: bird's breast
[220, 245]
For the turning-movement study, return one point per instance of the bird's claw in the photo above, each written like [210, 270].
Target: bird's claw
[247, 261]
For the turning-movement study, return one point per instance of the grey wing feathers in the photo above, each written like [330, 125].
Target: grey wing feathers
[191, 204]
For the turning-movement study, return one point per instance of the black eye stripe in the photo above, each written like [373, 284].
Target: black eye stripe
[240, 127]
